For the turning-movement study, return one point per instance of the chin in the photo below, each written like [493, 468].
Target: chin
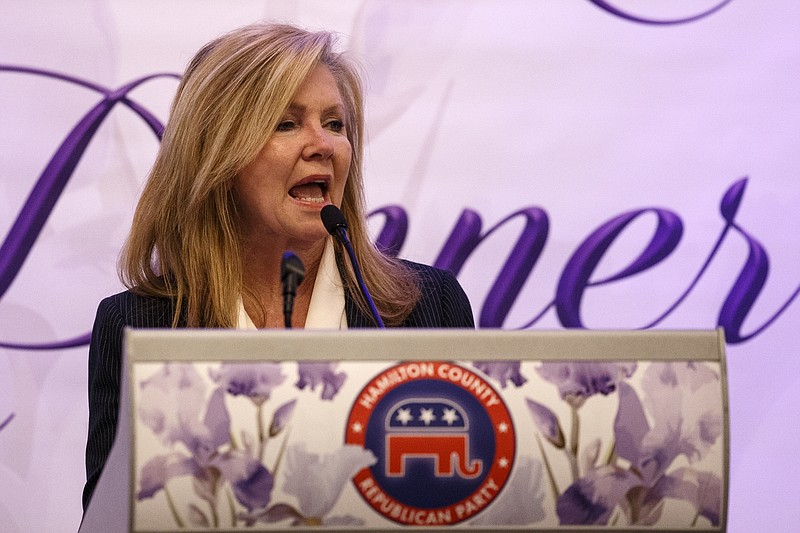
[311, 232]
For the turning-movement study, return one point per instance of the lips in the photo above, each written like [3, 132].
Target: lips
[313, 190]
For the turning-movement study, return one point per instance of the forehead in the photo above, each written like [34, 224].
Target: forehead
[319, 88]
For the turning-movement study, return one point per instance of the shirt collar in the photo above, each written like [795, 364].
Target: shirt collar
[326, 309]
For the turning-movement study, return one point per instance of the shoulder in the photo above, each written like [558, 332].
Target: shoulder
[442, 303]
[114, 314]
[129, 308]
[427, 273]
[431, 278]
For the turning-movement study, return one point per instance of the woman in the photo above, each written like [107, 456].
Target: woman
[266, 128]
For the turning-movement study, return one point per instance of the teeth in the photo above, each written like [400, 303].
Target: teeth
[312, 192]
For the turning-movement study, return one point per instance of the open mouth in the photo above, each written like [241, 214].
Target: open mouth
[315, 191]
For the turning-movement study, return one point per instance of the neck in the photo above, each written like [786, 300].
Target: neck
[263, 289]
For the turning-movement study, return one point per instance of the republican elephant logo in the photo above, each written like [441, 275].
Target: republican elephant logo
[443, 439]
[429, 429]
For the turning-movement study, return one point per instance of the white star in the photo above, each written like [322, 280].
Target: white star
[357, 427]
[449, 416]
[427, 416]
[502, 427]
[503, 462]
[404, 416]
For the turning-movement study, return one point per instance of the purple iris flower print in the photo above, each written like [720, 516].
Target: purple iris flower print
[592, 499]
[252, 483]
[547, 423]
[318, 481]
[255, 380]
[670, 389]
[522, 500]
[680, 416]
[578, 380]
[324, 373]
[502, 371]
[182, 389]
[281, 417]
[174, 406]
[159, 470]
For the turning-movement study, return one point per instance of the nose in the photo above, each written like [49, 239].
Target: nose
[318, 143]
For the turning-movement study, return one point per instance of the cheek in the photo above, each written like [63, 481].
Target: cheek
[342, 173]
[344, 157]
[246, 190]
[271, 163]
[243, 199]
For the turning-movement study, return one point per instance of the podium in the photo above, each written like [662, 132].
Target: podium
[429, 430]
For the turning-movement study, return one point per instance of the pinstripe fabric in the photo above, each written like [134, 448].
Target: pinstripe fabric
[443, 304]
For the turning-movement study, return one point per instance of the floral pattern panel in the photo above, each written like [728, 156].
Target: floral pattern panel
[260, 446]
[658, 462]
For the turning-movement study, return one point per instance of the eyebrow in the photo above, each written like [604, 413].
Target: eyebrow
[339, 108]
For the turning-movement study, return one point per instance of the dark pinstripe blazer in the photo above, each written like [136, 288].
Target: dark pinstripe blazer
[443, 304]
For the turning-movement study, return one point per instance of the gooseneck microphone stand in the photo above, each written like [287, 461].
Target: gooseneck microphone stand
[334, 222]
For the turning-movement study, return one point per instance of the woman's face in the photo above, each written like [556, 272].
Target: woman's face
[302, 167]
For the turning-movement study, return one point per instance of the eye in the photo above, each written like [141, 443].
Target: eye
[285, 125]
[335, 125]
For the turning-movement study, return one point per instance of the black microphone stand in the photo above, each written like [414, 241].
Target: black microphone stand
[292, 274]
[334, 222]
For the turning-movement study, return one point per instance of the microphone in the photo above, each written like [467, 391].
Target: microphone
[334, 222]
[292, 274]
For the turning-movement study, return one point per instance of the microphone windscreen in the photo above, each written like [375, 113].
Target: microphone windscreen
[291, 264]
[332, 218]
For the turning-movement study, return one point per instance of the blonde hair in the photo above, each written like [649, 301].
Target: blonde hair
[185, 240]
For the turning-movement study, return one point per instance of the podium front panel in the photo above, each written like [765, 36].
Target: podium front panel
[428, 430]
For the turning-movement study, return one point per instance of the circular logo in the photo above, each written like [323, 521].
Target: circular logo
[444, 441]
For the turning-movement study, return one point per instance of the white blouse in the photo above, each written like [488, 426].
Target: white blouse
[326, 309]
